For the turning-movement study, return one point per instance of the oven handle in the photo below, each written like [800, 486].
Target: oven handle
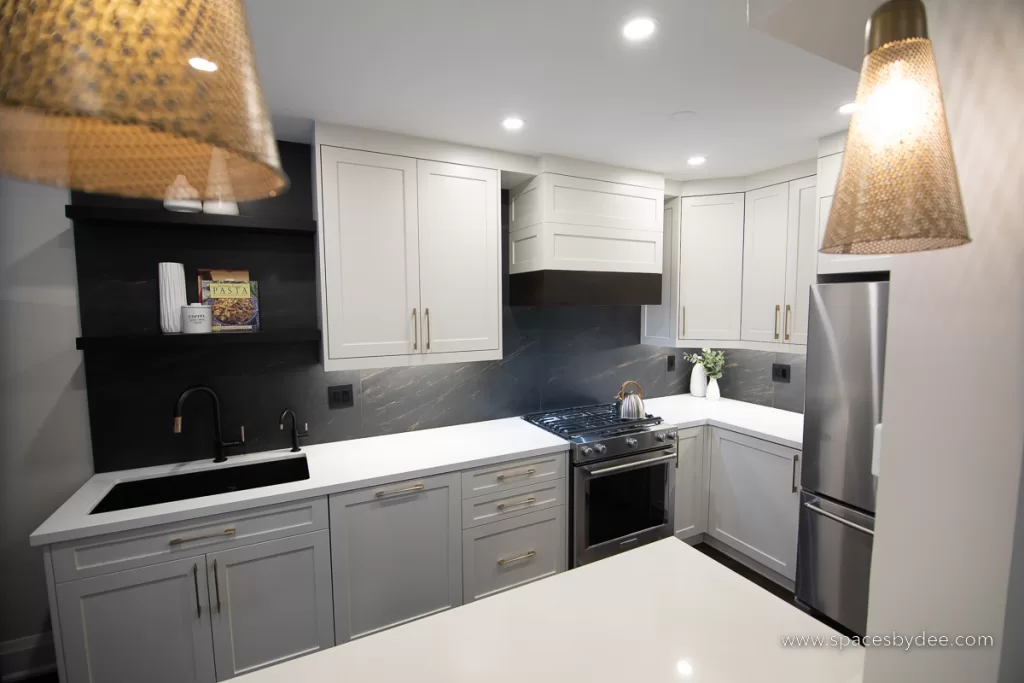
[629, 466]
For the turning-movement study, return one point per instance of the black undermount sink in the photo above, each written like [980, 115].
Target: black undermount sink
[141, 492]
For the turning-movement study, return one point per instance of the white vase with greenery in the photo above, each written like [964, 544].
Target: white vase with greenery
[710, 364]
[698, 381]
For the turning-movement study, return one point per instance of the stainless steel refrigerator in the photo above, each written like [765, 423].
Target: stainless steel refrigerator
[845, 363]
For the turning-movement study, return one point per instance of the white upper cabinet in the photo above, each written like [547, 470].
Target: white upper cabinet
[765, 233]
[828, 177]
[459, 270]
[410, 262]
[561, 222]
[801, 259]
[371, 259]
[710, 267]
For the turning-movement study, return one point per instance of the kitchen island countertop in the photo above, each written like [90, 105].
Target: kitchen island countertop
[658, 614]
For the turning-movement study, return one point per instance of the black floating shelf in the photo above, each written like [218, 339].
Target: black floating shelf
[107, 215]
[172, 342]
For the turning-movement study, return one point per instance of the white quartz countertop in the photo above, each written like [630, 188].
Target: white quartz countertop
[358, 463]
[771, 424]
[658, 614]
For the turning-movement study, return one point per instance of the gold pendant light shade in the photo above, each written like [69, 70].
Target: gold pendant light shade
[122, 96]
[898, 189]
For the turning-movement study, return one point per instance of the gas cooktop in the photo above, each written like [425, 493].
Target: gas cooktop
[597, 432]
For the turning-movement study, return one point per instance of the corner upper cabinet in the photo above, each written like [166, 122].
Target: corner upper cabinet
[705, 235]
[409, 260]
[779, 254]
[828, 177]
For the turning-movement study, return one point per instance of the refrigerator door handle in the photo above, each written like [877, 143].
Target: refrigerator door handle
[836, 518]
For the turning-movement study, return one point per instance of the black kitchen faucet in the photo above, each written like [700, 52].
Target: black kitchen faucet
[222, 445]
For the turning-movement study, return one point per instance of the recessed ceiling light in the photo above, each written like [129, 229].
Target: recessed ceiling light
[696, 161]
[847, 108]
[680, 116]
[638, 29]
[512, 123]
[202, 64]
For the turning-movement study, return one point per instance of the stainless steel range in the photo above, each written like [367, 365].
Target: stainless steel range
[623, 478]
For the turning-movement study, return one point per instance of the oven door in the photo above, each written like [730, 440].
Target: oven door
[622, 503]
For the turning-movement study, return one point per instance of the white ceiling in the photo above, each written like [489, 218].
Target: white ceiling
[452, 69]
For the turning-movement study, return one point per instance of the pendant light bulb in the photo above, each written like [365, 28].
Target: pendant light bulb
[898, 190]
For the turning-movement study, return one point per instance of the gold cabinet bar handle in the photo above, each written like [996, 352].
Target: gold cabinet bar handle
[525, 473]
[528, 501]
[777, 309]
[178, 540]
[796, 459]
[426, 321]
[415, 330]
[195, 580]
[684, 322]
[408, 489]
[785, 324]
[216, 584]
[525, 556]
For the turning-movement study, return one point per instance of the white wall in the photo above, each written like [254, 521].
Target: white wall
[948, 497]
[44, 426]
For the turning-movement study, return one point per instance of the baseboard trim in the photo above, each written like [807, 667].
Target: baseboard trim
[753, 565]
[27, 657]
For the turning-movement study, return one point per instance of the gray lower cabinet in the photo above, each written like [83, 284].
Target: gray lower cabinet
[754, 499]
[397, 553]
[691, 503]
[512, 552]
[149, 624]
[270, 602]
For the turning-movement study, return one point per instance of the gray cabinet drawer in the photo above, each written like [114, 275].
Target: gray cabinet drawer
[140, 547]
[511, 475]
[509, 553]
[513, 502]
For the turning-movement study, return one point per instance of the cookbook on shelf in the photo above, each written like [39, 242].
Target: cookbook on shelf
[235, 305]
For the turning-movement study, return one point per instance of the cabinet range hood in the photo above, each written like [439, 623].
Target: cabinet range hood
[578, 241]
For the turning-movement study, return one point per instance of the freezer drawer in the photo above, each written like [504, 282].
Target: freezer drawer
[834, 560]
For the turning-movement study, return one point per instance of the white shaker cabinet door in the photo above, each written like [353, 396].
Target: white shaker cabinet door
[371, 253]
[691, 504]
[710, 267]
[755, 500]
[765, 230]
[270, 602]
[801, 260]
[397, 553]
[150, 624]
[459, 257]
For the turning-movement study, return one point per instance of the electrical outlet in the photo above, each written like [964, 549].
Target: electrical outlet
[780, 372]
[671, 363]
[339, 397]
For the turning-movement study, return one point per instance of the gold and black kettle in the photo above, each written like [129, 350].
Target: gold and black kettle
[631, 405]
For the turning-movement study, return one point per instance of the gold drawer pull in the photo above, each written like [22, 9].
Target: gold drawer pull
[178, 540]
[409, 489]
[528, 501]
[502, 563]
[525, 473]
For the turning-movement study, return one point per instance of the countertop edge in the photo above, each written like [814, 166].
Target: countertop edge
[245, 500]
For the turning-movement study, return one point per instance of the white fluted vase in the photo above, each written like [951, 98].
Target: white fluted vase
[172, 296]
[698, 381]
[714, 393]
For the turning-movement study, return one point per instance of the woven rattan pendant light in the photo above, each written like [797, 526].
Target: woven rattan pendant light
[898, 190]
[122, 96]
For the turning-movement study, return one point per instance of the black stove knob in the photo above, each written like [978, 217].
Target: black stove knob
[600, 448]
[587, 451]
[631, 442]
